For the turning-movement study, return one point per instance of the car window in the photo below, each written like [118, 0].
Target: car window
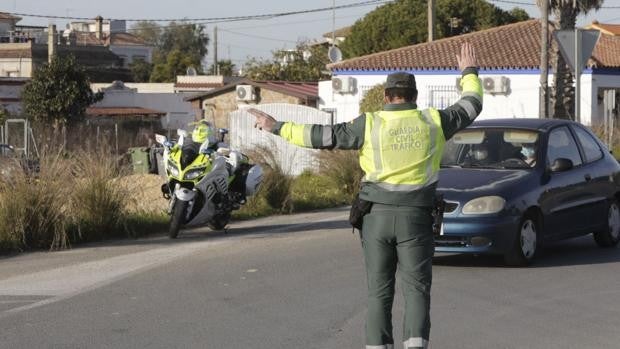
[590, 147]
[501, 148]
[562, 145]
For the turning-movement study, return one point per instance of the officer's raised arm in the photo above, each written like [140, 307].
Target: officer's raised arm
[465, 110]
[348, 135]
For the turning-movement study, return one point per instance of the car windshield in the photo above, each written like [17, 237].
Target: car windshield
[499, 148]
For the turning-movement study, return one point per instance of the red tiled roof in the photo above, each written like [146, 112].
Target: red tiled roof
[4, 15]
[127, 39]
[122, 111]
[17, 53]
[198, 85]
[515, 45]
[611, 29]
[304, 90]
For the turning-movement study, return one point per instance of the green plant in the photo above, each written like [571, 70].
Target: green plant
[276, 185]
[98, 202]
[343, 169]
[32, 210]
[312, 191]
[373, 99]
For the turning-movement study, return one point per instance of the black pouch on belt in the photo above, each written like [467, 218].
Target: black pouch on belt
[359, 208]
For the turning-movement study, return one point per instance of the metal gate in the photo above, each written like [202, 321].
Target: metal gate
[442, 96]
[17, 133]
[293, 159]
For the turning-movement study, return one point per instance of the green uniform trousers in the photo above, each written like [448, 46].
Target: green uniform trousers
[398, 236]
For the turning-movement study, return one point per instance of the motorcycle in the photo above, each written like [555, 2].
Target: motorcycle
[205, 182]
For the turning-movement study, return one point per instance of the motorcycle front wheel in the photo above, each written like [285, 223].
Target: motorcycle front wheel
[177, 218]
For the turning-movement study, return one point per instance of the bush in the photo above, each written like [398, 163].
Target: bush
[373, 99]
[32, 210]
[343, 169]
[98, 201]
[312, 191]
[276, 186]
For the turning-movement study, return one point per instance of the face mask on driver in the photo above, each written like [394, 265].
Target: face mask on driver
[528, 152]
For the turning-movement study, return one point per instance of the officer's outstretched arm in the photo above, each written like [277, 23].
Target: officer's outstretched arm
[342, 136]
[465, 110]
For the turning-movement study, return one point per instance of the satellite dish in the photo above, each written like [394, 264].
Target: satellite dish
[334, 54]
[191, 71]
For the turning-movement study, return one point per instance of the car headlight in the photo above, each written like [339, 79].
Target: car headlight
[484, 205]
[174, 171]
[195, 173]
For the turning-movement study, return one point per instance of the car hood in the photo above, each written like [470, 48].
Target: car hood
[480, 181]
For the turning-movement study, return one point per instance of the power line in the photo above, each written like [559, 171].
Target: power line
[216, 19]
[287, 23]
[258, 36]
[513, 2]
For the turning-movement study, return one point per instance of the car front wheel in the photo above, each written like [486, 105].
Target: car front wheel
[526, 243]
[610, 236]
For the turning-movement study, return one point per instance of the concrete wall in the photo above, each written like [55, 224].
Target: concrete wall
[10, 97]
[16, 67]
[599, 82]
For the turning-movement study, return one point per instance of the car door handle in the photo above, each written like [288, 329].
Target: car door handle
[587, 177]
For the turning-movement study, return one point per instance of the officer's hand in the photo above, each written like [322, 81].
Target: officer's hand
[264, 121]
[467, 58]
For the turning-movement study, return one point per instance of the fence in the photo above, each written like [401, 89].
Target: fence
[293, 159]
[442, 96]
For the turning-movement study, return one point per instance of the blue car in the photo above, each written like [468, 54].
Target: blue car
[510, 185]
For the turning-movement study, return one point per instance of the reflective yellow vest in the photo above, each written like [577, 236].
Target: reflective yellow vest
[409, 143]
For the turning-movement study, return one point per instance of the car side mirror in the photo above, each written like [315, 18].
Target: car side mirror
[561, 165]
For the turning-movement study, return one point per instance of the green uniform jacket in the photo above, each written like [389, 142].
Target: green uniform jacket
[350, 135]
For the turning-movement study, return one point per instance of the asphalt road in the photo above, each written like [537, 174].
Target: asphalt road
[294, 282]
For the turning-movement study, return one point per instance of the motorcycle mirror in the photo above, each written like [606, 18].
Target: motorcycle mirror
[161, 139]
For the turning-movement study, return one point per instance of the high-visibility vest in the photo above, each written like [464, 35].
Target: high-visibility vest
[402, 149]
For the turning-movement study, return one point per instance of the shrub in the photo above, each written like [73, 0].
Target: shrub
[32, 210]
[276, 186]
[98, 200]
[373, 99]
[343, 169]
[314, 191]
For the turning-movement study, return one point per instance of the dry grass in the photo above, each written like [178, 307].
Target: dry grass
[32, 210]
[276, 186]
[343, 169]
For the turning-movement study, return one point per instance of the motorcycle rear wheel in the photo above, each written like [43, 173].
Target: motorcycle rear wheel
[177, 218]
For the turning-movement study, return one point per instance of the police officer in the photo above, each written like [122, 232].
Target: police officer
[400, 152]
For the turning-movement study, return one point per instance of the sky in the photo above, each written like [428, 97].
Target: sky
[240, 40]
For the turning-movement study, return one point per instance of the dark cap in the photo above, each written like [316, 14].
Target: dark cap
[400, 79]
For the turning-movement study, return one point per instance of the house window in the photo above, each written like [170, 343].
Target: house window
[442, 96]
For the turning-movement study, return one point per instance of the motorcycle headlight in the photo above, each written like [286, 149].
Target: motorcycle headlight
[174, 171]
[484, 205]
[195, 173]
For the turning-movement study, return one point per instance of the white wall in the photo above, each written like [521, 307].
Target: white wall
[16, 67]
[520, 102]
[600, 81]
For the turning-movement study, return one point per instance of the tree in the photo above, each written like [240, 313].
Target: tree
[178, 46]
[373, 99]
[59, 92]
[141, 70]
[404, 22]
[304, 63]
[563, 93]
[226, 68]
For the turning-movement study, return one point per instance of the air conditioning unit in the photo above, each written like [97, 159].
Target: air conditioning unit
[246, 93]
[343, 84]
[496, 84]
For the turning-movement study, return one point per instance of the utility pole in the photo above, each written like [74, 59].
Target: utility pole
[216, 66]
[431, 20]
[543, 110]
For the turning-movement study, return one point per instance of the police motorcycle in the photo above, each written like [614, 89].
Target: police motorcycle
[206, 180]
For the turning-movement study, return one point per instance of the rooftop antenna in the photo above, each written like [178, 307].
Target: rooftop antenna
[333, 53]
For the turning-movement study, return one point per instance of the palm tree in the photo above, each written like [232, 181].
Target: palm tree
[563, 93]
